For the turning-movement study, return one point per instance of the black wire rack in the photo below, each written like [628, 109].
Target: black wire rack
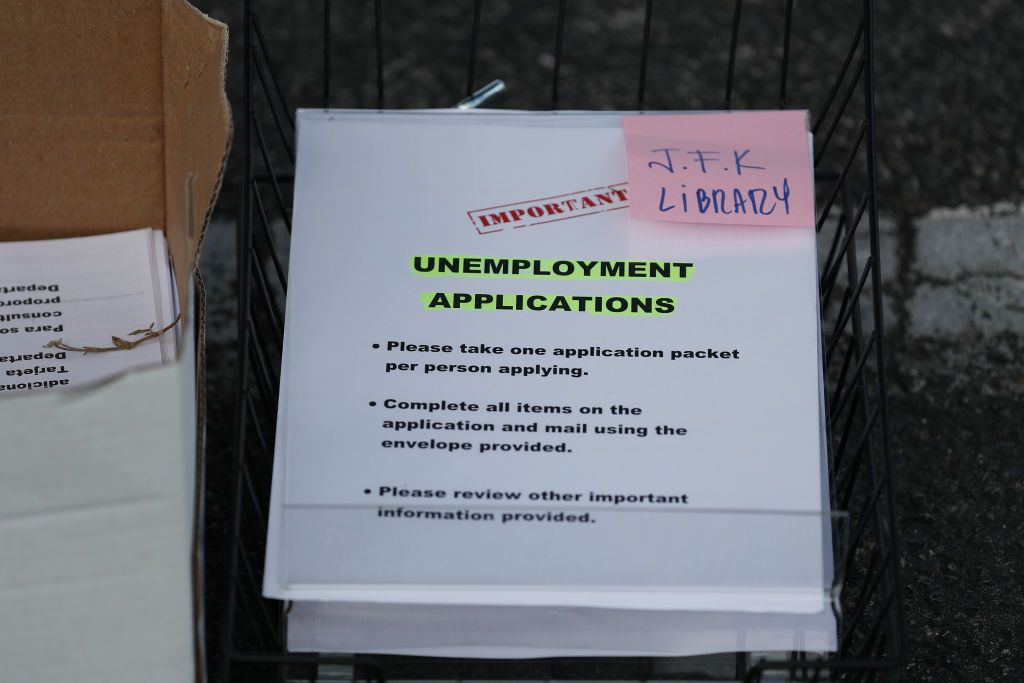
[753, 65]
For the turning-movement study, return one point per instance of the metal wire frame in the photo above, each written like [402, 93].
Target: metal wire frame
[873, 632]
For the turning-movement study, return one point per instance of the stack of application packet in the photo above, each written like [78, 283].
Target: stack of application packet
[454, 476]
[63, 301]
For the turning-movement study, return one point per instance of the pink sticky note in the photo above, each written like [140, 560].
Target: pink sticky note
[735, 168]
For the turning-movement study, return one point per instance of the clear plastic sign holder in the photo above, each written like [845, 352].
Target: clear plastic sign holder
[742, 560]
[769, 570]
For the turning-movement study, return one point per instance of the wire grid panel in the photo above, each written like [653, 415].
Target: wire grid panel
[872, 623]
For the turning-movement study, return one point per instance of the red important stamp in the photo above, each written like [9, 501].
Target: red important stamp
[560, 207]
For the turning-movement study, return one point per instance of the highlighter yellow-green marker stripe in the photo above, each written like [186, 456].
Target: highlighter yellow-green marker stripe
[600, 305]
[441, 265]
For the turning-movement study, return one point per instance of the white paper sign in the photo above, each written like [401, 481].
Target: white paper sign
[81, 291]
[498, 388]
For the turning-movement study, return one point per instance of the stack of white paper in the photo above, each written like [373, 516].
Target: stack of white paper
[62, 301]
[516, 422]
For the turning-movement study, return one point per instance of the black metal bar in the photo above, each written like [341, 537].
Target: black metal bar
[842, 177]
[378, 35]
[645, 48]
[265, 225]
[276, 320]
[733, 42]
[842, 305]
[867, 591]
[826, 301]
[268, 369]
[830, 410]
[873, 476]
[259, 463]
[251, 617]
[281, 131]
[559, 39]
[862, 525]
[839, 79]
[264, 405]
[823, 147]
[261, 42]
[846, 312]
[278, 195]
[851, 306]
[841, 382]
[802, 658]
[326, 56]
[290, 657]
[258, 507]
[838, 407]
[831, 256]
[263, 381]
[896, 636]
[792, 665]
[264, 374]
[261, 439]
[279, 177]
[741, 664]
[858, 454]
[895, 676]
[254, 586]
[785, 54]
[828, 284]
[832, 272]
[243, 239]
[870, 640]
[840, 450]
[833, 664]
[282, 668]
[474, 41]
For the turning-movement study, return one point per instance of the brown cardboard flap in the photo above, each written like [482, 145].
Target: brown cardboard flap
[81, 117]
[73, 57]
[112, 117]
[197, 127]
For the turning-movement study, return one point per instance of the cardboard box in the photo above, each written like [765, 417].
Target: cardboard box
[112, 117]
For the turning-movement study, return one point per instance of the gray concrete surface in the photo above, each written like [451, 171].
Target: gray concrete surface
[951, 186]
[957, 402]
